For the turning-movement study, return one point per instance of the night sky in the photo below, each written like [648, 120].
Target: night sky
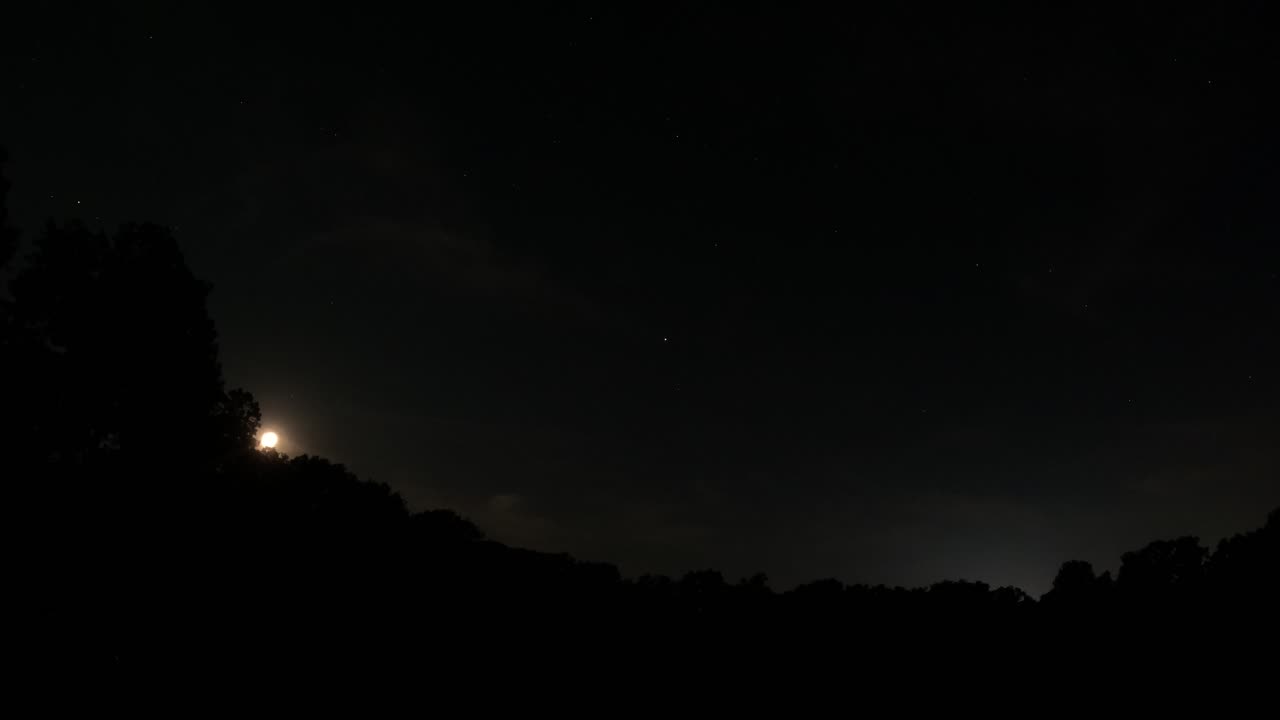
[888, 293]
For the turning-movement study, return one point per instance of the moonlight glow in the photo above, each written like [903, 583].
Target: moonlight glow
[269, 439]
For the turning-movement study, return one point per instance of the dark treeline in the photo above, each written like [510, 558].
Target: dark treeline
[152, 531]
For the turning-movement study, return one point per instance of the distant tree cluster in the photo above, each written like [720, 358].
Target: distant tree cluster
[152, 528]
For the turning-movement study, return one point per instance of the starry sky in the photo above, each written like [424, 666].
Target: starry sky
[888, 292]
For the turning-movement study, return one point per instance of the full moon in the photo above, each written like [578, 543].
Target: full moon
[269, 439]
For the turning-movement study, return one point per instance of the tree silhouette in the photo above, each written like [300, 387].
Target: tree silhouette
[1077, 587]
[123, 353]
[1245, 568]
[1075, 578]
[1163, 569]
[444, 527]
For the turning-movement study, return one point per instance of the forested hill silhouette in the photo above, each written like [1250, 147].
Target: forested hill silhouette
[152, 531]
